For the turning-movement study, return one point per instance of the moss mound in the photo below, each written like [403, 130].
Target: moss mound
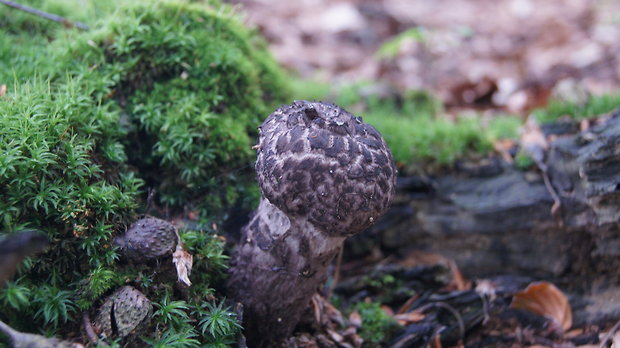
[157, 95]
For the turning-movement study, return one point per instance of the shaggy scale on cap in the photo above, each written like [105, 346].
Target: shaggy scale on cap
[318, 161]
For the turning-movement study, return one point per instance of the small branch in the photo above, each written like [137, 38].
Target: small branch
[45, 15]
[88, 328]
[609, 334]
[336, 274]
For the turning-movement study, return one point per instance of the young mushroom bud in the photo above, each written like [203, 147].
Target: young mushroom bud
[325, 175]
[146, 239]
[123, 313]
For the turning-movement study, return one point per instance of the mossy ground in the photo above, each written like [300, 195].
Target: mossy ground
[422, 137]
[157, 96]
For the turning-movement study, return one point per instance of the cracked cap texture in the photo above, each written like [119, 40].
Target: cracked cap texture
[319, 162]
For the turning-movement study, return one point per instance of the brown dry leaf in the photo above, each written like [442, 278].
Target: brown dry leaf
[2, 90]
[405, 319]
[574, 333]
[544, 298]
[503, 147]
[436, 343]
[355, 319]
[183, 262]
[458, 280]
[316, 307]
[387, 310]
[335, 336]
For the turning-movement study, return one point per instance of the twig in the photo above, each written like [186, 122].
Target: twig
[557, 203]
[449, 308]
[336, 274]
[88, 327]
[609, 334]
[45, 15]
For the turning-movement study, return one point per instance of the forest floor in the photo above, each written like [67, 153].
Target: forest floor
[506, 56]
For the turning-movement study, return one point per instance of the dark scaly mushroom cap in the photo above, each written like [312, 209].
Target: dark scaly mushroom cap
[320, 162]
[124, 312]
[147, 238]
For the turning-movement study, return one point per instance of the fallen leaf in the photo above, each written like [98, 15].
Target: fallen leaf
[355, 319]
[544, 298]
[387, 310]
[458, 280]
[408, 304]
[2, 90]
[316, 307]
[503, 147]
[405, 319]
[183, 262]
[436, 343]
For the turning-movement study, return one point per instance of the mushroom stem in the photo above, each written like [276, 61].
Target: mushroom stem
[278, 267]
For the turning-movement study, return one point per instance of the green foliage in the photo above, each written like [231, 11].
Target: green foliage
[195, 86]
[377, 326]
[175, 339]
[413, 126]
[15, 295]
[523, 161]
[390, 48]
[194, 324]
[595, 105]
[161, 95]
[171, 312]
[218, 321]
[53, 305]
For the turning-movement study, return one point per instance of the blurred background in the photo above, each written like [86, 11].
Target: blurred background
[507, 54]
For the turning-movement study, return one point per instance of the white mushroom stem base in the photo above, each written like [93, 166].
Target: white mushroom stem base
[277, 267]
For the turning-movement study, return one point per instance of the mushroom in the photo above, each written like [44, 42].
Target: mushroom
[127, 311]
[325, 175]
[147, 239]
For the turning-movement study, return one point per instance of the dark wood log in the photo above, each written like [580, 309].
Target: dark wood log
[492, 218]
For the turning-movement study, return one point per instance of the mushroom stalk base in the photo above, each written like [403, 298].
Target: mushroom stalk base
[277, 267]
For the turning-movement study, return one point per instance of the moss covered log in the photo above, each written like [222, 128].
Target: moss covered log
[162, 96]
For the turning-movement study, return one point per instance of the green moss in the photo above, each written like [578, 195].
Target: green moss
[377, 326]
[523, 161]
[413, 125]
[595, 105]
[160, 95]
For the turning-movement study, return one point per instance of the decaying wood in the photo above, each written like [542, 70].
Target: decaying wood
[495, 219]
